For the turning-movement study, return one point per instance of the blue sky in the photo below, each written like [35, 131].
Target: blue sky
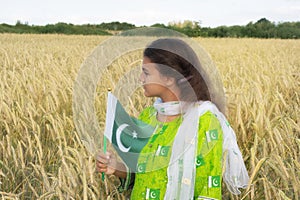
[210, 13]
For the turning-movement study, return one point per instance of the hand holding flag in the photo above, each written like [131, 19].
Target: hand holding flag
[106, 163]
[127, 134]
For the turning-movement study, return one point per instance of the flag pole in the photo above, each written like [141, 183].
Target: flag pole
[104, 150]
[105, 142]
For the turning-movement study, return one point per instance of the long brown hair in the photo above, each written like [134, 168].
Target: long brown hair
[178, 55]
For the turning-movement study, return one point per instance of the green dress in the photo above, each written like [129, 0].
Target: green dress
[151, 176]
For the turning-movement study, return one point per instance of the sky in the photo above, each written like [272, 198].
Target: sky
[209, 13]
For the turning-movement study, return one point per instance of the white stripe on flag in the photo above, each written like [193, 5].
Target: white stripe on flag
[110, 115]
[158, 150]
[209, 181]
[147, 193]
[208, 139]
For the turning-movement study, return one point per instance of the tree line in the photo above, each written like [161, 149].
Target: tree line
[263, 28]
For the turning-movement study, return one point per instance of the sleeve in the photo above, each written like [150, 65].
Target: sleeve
[208, 159]
[128, 182]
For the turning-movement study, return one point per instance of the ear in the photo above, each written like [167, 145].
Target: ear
[170, 81]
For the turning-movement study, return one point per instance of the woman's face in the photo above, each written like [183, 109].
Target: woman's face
[154, 83]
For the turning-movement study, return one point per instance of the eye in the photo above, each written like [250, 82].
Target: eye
[146, 73]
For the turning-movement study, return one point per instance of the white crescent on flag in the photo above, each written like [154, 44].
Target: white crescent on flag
[153, 195]
[163, 152]
[198, 162]
[214, 135]
[118, 137]
[215, 182]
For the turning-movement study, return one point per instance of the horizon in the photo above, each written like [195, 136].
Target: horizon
[27, 23]
[214, 13]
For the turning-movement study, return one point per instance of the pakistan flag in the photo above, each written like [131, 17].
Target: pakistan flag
[127, 134]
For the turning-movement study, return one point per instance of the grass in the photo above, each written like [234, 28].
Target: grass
[42, 156]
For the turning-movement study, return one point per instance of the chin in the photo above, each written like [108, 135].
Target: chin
[146, 94]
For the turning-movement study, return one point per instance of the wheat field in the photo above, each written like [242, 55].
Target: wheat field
[42, 156]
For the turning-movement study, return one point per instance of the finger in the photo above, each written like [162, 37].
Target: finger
[108, 154]
[102, 157]
[101, 168]
[102, 165]
[103, 160]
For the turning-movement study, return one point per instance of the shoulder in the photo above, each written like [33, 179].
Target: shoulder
[210, 132]
[208, 114]
[207, 118]
[207, 109]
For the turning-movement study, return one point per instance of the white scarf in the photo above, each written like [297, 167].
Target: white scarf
[182, 168]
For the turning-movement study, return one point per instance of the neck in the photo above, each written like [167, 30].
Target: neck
[164, 113]
[169, 97]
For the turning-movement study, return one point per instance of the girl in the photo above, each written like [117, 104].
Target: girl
[183, 157]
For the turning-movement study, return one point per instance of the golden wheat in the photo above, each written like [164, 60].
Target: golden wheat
[42, 156]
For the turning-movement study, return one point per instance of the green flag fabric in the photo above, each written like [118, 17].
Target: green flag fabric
[152, 194]
[214, 181]
[212, 135]
[127, 134]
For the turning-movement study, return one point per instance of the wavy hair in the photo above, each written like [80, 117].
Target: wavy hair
[180, 57]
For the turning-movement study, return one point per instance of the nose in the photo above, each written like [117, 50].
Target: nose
[142, 78]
